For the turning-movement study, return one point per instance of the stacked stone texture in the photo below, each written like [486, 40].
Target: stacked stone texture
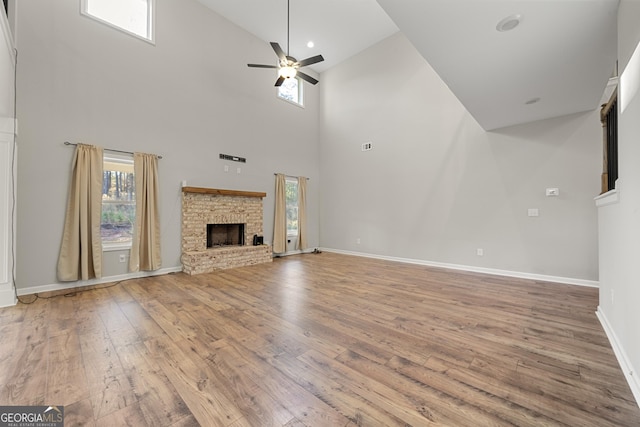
[198, 210]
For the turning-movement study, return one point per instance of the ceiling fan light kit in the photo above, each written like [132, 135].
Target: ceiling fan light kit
[288, 66]
[287, 72]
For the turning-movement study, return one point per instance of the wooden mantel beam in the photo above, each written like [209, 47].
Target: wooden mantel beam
[219, 192]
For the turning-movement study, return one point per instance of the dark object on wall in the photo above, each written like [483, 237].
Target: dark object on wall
[233, 158]
[258, 240]
[6, 7]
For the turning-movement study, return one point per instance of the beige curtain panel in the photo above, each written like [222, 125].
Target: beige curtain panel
[81, 249]
[145, 248]
[302, 213]
[280, 216]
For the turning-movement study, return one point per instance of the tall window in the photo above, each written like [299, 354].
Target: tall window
[132, 16]
[118, 202]
[291, 196]
[291, 90]
[609, 119]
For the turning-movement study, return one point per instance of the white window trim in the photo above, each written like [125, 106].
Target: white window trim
[151, 22]
[112, 247]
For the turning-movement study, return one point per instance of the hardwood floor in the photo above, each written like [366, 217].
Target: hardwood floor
[318, 340]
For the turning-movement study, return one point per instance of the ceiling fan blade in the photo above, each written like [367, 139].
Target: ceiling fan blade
[278, 50]
[261, 66]
[307, 77]
[312, 60]
[279, 81]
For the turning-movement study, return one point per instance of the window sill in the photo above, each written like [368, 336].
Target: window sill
[112, 247]
[288, 101]
[609, 198]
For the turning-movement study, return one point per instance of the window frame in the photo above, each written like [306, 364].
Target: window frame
[610, 165]
[128, 160]
[151, 21]
[287, 182]
[300, 102]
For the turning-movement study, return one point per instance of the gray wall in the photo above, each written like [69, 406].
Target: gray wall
[436, 187]
[620, 222]
[188, 98]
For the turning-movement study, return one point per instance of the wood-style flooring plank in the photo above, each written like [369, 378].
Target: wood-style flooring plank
[25, 379]
[317, 340]
[66, 378]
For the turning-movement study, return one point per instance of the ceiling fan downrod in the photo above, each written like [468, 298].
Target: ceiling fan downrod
[288, 28]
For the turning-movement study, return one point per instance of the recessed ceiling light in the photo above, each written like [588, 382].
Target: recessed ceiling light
[509, 23]
[532, 101]
[310, 44]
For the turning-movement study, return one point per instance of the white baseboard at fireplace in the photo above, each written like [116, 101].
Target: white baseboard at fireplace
[111, 279]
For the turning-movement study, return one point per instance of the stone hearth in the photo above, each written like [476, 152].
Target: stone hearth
[204, 206]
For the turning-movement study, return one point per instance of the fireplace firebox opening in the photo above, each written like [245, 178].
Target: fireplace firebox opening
[225, 235]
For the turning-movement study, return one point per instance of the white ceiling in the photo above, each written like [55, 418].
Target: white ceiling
[563, 52]
[339, 28]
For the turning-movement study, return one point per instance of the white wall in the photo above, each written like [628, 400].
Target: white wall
[7, 163]
[619, 223]
[436, 187]
[188, 98]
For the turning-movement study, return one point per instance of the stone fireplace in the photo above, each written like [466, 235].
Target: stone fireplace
[218, 228]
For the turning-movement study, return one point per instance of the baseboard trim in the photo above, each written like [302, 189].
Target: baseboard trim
[296, 252]
[474, 269]
[630, 374]
[93, 282]
[7, 297]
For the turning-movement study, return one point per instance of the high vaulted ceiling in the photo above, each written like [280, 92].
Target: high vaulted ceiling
[561, 55]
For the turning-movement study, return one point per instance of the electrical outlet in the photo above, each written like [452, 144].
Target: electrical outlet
[226, 168]
[367, 146]
[533, 212]
[238, 170]
[123, 258]
[358, 241]
[480, 252]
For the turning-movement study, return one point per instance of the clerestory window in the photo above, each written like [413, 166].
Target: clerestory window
[135, 17]
[291, 90]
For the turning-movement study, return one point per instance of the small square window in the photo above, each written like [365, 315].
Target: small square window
[291, 90]
[131, 16]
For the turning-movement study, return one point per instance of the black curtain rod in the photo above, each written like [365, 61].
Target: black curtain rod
[289, 176]
[108, 149]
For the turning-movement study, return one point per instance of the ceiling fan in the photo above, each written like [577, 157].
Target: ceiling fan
[288, 66]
